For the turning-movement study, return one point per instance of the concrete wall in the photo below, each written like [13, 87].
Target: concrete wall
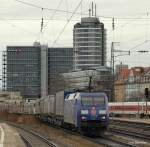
[44, 71]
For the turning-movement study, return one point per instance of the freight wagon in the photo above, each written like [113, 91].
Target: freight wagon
[85, 112]
[81, 111]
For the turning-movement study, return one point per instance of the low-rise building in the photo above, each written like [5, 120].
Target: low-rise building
[120, 84]
[131, 83]
[136, 84]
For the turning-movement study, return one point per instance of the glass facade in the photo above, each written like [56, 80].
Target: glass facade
[60, 60]
[24, 70]
[89, 44]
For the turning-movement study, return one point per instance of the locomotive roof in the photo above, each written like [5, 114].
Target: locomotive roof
[92, 94]
[77, 94]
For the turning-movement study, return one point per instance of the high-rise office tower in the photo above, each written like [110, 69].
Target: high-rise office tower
[25, 70]
[60, 60]
[34, 71]
[89, 43]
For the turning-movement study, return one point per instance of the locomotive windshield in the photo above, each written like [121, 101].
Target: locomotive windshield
[86, 100]
[99, 100]
[92, 100]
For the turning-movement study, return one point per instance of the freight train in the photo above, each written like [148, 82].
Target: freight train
[82, 111]
[129, 108]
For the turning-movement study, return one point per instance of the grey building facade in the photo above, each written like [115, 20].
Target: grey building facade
[60, 60]
[89, 44]
[22, 70]
[35, 71]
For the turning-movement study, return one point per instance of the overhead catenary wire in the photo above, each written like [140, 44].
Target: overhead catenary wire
[120, 18]
[79, 13]
[146, 27]
[51, 18]
[66, 23]
[53, 14]
[124, 25]
[109, 17]
[16, 26]
[67, 9]
[127, 23]
[108, 20]
[138, 45]
[50, 9]
[102, 19]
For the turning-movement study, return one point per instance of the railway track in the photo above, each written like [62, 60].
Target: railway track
[133, 133]
[139, 125]
[142, 129]
[26, 141]
[112, 141]
[31, 138]
[106, 140]
[139, 132]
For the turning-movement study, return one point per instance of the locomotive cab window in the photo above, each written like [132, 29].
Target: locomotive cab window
[92, 100]
[99, 101]
[86, 100]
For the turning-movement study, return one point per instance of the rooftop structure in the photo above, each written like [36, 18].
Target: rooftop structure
[99, 79]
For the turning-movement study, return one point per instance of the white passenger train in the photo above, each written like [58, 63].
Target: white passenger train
[129, 108]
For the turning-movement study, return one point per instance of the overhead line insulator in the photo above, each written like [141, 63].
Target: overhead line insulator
[143, 51]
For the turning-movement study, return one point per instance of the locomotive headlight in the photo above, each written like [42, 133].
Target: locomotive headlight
[103, 117]
[83, 118]
[84, 111]
[102, 111]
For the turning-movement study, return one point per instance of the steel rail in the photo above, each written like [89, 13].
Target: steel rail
[141, 125]
[128, 132]
[44, 139]
[26, 141]
[108, 139]
[95, 140]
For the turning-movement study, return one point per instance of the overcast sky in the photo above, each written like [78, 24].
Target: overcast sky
[20, 24]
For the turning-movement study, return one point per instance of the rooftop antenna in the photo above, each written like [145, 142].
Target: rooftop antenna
[95, 10]
[92, 8]
[41, 31]
[89, 12]
[81, 9]
[42, 22]
[113, 24]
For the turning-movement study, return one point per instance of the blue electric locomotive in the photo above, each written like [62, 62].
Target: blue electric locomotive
[88, 112]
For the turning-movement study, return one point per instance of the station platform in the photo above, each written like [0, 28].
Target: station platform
[136, 120]
[9, 137]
